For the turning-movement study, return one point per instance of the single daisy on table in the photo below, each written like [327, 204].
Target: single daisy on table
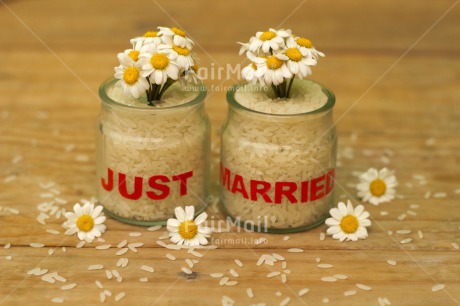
[175, 36]
[377, 186]
[158, 66]
[87, 221]
[348, 223]
[184, 230]
[272, 70]
[271, 39]
[130, 78]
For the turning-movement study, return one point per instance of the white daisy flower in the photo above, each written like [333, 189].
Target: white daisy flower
[87, 221]
[158, 67]
[297, 63]
[190, 76]
[347, 223]
[271, 39]
[272, 69]
[149, 37]
[130, 56]
[177, 36]
[377, 186]
[305, 46]
[130, 79]
[181, 56]
[183, 230]
[249, 72]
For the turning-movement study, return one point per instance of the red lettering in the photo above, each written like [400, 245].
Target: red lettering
[164, 189]
[316, 189]
[225, 177]
[288, 193]
[238, 186]
[330, 181]
[136, 194]
[262, 191]
[109, 185]
[304, 192]
[183, 181]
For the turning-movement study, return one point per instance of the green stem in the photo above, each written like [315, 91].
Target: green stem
[283, 89]
[275, 89]
[288, 95]
[168, 83]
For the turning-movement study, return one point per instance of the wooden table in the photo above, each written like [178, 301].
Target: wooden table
[394, 67]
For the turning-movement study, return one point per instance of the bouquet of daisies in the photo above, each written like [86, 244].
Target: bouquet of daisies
[277, 57]
[155, 61]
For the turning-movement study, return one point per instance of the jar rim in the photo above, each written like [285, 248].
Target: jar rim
[111, 82]
[327, 106]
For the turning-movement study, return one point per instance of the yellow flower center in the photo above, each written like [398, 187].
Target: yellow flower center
[131, 75]
[294, 54]
[267, 35]
[349, 224]
[378, 187]
[274, 63]
[159, 61]
[134, 55]
[150, 34]
[181, 51]
[304, 42]
[188, 229]
[178, 31]
[85, 223]
[254, 66]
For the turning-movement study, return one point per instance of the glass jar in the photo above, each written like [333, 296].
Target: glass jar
[152, 159]
[277, 170]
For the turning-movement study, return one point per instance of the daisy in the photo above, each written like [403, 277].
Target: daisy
[271, 39]
[183, 230]
[348, 223]
[272, 70]
[248, 72]
[297, 63]
[158, 67]
[377, 186]
[130, 56]
[181, 56]
[130, 78]
[305, 46]
[149, 37]
[190, 76]
[177, 36]
[87, 221]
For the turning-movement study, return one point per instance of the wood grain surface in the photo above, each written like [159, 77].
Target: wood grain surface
[394, 67]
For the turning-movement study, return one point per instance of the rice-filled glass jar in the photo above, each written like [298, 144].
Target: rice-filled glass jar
[152, 159]
[278, 157]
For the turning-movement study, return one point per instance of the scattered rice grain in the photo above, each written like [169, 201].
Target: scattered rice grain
[295, 250]
[285, 301]
[455, 245]
[135, 234]
[122, 251]
[95, 267]
[119, 296]
[391, 262]
[438, 287]
[303, 291]
[36, 245]
[249, 292]
[407, 240]
[170, 257]
[328, 279]
[349, 292]
[80, 244]
[324, 266]
[68, 286]
[53, 232]
[147, 268]
[403, 232]
[103, 247]
[363, 287]
[239, 263]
